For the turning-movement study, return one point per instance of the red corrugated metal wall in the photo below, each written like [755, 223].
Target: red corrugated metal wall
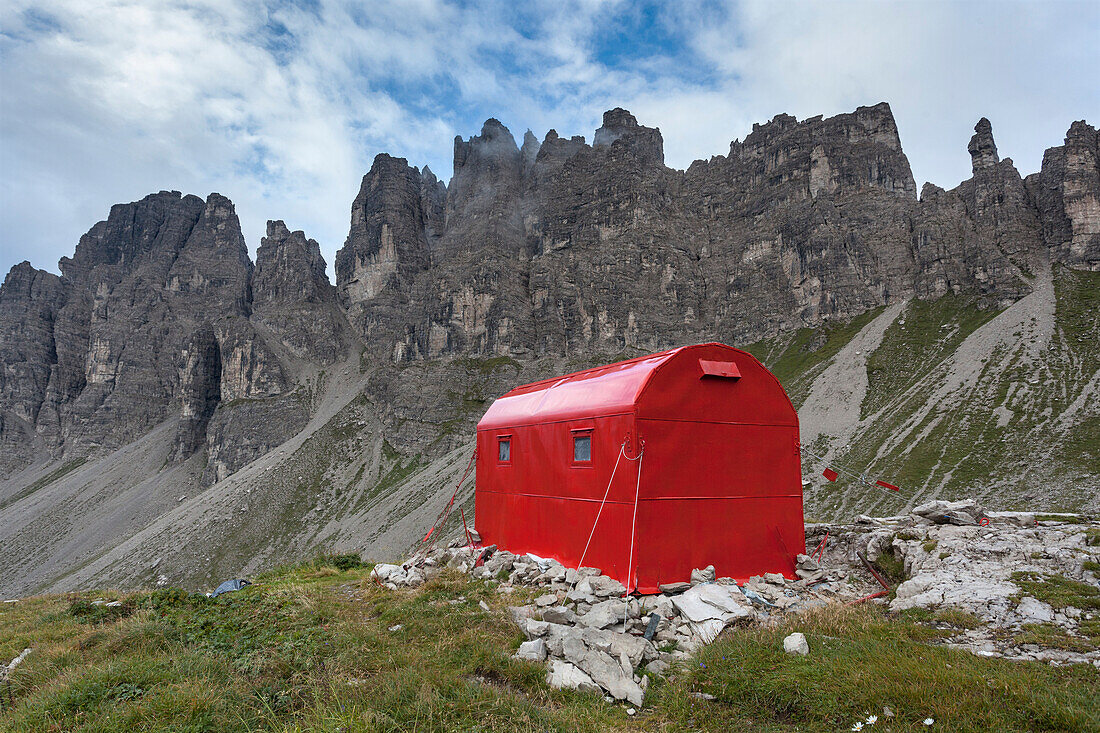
[716, 494]
[542, 502]
[720, 478]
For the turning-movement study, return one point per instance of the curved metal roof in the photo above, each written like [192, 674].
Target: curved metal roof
[611, 389]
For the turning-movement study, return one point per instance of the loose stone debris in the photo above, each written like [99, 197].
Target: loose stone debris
[955, 555]
[959, 557]
[594, 638]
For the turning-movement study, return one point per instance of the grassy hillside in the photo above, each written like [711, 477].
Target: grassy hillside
[799, 357]
[316, 647]
[964, 399]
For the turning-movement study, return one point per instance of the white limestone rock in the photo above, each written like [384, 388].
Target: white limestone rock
[565, 675]
[534, 651]
[1034, 611]
[796, 644]
[604, 614]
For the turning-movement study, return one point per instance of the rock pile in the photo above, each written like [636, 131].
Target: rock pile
[957, 557]
[954, 555]
[594, 638]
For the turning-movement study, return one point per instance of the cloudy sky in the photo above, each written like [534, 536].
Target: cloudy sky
[282, 105]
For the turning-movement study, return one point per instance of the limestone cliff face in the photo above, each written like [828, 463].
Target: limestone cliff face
[152, 318]
[200, 390]
[1067, 194]
[395, 220]
[29, 302]
[140, 287]
[292, 296]
[565, 247]
[429, 270]
[805, 222]
[388, 238]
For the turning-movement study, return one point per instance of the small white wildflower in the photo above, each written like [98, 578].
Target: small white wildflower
[872, 719]
[929, 721]
[857, 726]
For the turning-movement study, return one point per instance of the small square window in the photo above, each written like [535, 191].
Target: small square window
[582, 448]
[504, 450]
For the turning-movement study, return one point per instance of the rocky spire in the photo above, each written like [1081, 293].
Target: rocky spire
[645, 143]
[983, 151]
[530, 149]
[387, 237]
[289, 269]
[487, 174]
[494, 144]
[433, 201]
[292, 295]
[616, 123]
[1067, 193]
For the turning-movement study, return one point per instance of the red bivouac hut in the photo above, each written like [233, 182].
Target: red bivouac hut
[647, 469]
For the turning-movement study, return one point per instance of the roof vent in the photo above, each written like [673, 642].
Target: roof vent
[720, 369]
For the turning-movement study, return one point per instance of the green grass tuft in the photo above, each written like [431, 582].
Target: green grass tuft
[890, 566]
[1053, 636]
[1057, 590]
[87, 612]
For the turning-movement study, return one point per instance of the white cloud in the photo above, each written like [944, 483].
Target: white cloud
[282, 106]
[1029, 67]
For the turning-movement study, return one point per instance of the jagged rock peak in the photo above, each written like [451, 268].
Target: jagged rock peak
[929, 191]
[21, 274]
[386, 163]
[494, 129]
[135, 232]
[530, 149]
[494, 142]
[276, 228]
[387, 236]
[781, 121]
[292, 295]
[1082, 133]
[553, 137]
[644, 142]
[289, 268]
[1067, 192]
[983, 151]
[616, 122]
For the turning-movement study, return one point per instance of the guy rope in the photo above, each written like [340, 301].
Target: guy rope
[835, 469]
[634, 521]
[443, 515]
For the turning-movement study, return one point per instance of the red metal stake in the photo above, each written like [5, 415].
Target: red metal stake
[877, 594]
[820, 551]
[469, 537]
